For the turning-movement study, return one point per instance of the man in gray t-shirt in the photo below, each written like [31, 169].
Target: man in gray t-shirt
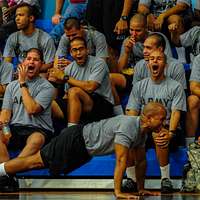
[174, 69]
[87, 85]
[26, 109]
[76, 145]
[170, 93]
[192, 117]
[29, 37]
[159, 11]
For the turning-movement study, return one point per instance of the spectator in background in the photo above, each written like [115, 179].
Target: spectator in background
[29, 37]
[87, 85]
[75, 8]
[27, 109]
[170, 93]
[111, 18]
[196, 21]
[6, 76]
[8, 25]
[192, 117]
[159, 11]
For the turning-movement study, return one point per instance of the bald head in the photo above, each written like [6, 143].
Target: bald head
[153, 108]
[140, 19]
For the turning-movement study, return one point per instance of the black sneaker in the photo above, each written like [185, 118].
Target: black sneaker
[8, 184]
[166, 186]
[129, 186]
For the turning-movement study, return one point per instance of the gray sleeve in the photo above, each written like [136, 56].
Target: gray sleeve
[145, 2]
[49, 51]
[195, 73]
[179, 99]
[62, 49]
[45, 95]
[188, 2]
[123, 140]
[178, 74]
[9, 50]
[134, 101]
[186, 39]
[7, 99]
[137, 73]
[6, 73]
[98, 71]
[101, 45]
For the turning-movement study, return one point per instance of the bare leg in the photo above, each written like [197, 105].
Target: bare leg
[4, 155]
[192, 117]
[78, 101]
[33, 144]
[22, 164]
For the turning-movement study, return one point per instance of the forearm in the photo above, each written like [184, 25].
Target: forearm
[175, 10]
[59, 6]
[2, 89]
[122, 62]
[140, 173]
[31, 106]
[143, 9]
[5, 115]
[195, 88]
[127, 7]
[174, 119]
[87, 86]
[45, 67]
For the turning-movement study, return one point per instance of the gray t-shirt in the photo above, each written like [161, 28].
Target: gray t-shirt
[197, 4]
[42, 92]
[157, 6]
[6, 72]
[96, 70]
[169, 92]
[195, 73]
[174, 70]
[100, 137]
[136, 53]
[18, 43]
[96, 43]
[191, 38]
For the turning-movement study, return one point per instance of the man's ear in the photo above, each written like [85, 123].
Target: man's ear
[32, 18]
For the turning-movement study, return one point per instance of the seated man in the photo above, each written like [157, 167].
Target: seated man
[188, 39]
[75, 8]
[160, 11]
[27, 109]
[87, 85]
[192, 117]
[161, 89]
[76, 145]
[174, 69]
[28, 37]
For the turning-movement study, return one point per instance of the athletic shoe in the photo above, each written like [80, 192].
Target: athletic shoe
[166, 186]
[129, 186]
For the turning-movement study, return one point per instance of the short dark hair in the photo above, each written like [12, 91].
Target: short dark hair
[32, 10]
[79, 39]
[160, 40]
[38, 51]
[72, 22]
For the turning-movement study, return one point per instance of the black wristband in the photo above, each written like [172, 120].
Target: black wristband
[23, 85]
[66, 78]
[124, 18]
[173, 131]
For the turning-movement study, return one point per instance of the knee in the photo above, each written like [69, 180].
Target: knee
[193, 102]
[74, 92]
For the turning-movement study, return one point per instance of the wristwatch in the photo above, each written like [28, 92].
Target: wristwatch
[173, 132]
[66, 78]
[23, 85]
[124, 17]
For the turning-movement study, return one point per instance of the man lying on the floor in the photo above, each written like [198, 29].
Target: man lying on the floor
[77, 144]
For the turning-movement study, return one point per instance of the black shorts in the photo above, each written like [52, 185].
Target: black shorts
[21, 133]
[102, 109]
[65, 152]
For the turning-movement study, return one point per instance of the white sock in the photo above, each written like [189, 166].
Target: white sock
[118, 110]
[130, 172]
[71, 124]
[165, 171]
[2, 170]
[189, 140]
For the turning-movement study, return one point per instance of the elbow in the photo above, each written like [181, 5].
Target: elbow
[33, 110]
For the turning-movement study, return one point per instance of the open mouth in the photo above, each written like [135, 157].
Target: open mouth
[31, 69]
[155, 68]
